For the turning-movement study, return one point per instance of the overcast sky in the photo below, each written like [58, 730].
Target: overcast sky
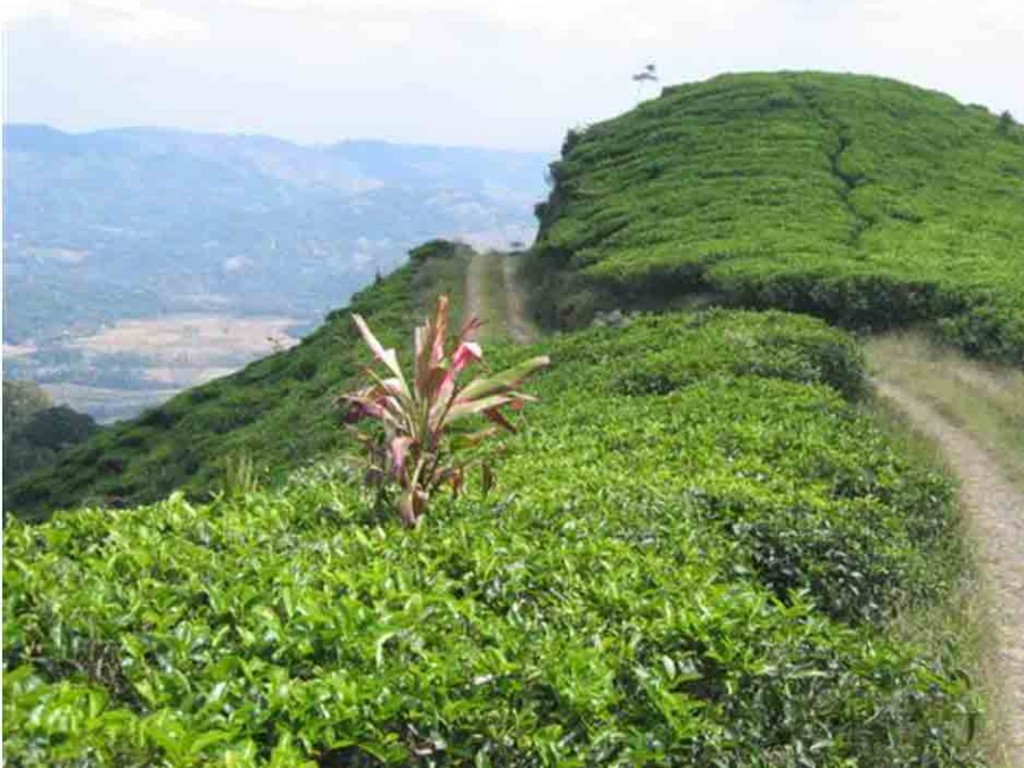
[512, 73]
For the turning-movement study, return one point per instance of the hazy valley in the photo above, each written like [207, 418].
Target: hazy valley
[142, 261]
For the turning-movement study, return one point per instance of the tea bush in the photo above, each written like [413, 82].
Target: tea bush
[696, 572]
[863, 200]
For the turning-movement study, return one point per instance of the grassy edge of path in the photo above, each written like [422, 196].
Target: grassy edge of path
[970, 417]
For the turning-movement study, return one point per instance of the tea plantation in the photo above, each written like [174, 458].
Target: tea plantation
[702, 548]
[693, 555]
[863, 200]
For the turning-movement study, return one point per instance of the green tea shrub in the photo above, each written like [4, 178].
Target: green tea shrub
[661, 353]
[702, 573]
[865, 201]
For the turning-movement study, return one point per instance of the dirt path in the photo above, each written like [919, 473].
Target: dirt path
[476, 276]
[520, 328]
[994, 511]
[494, 294]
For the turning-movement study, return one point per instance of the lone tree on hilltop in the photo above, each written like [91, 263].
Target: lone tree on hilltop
[646, 75]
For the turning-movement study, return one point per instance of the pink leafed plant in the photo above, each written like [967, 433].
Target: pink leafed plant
[419, 452]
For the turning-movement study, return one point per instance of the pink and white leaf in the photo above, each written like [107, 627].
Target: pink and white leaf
[462, 408]
[399, 450]
[386, 356]
[466, 353]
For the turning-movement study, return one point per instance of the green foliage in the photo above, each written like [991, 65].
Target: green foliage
[57, 427]
[691, 558]
[241, 475]
[418, 448]
[22, 399]
[865, 201]
[277, 409]
[695, 553]
[35, 430]
[657, 354]
[434, 249]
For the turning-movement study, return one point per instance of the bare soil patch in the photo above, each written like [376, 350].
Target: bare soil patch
[183, 336]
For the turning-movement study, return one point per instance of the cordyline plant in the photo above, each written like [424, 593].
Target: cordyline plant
[419, 452]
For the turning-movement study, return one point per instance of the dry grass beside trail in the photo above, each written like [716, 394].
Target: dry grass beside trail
[477, 278]
[986, 400]
[974, 414]
[520, 328]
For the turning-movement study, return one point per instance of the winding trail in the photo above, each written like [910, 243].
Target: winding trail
[494, 293]
[994, 513]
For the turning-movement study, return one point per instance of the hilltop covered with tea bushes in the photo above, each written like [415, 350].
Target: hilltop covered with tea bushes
[692, 556]
[863, 200]
[275, 413]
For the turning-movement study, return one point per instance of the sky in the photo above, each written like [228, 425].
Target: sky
[510, 74]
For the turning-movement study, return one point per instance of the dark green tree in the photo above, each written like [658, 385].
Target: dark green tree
[35, 430]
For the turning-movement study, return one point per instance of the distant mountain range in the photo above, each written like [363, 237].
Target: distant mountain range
[150, 223]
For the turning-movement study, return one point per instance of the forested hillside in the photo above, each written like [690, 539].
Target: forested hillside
[36, 431]
[866, 201]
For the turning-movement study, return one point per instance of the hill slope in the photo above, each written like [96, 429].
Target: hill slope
[691, 557]
[276, 411]
[867, 201]
[700, 550]
[35, 430]
[864, 200]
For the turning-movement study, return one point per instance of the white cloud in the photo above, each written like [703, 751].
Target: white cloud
[491, 72]
[122, 21]
[609, 21]
[942, 28]
[236, 263]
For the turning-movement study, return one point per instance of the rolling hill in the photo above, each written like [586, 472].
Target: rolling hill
[863, 200]
[866, 201]
[705, 545]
